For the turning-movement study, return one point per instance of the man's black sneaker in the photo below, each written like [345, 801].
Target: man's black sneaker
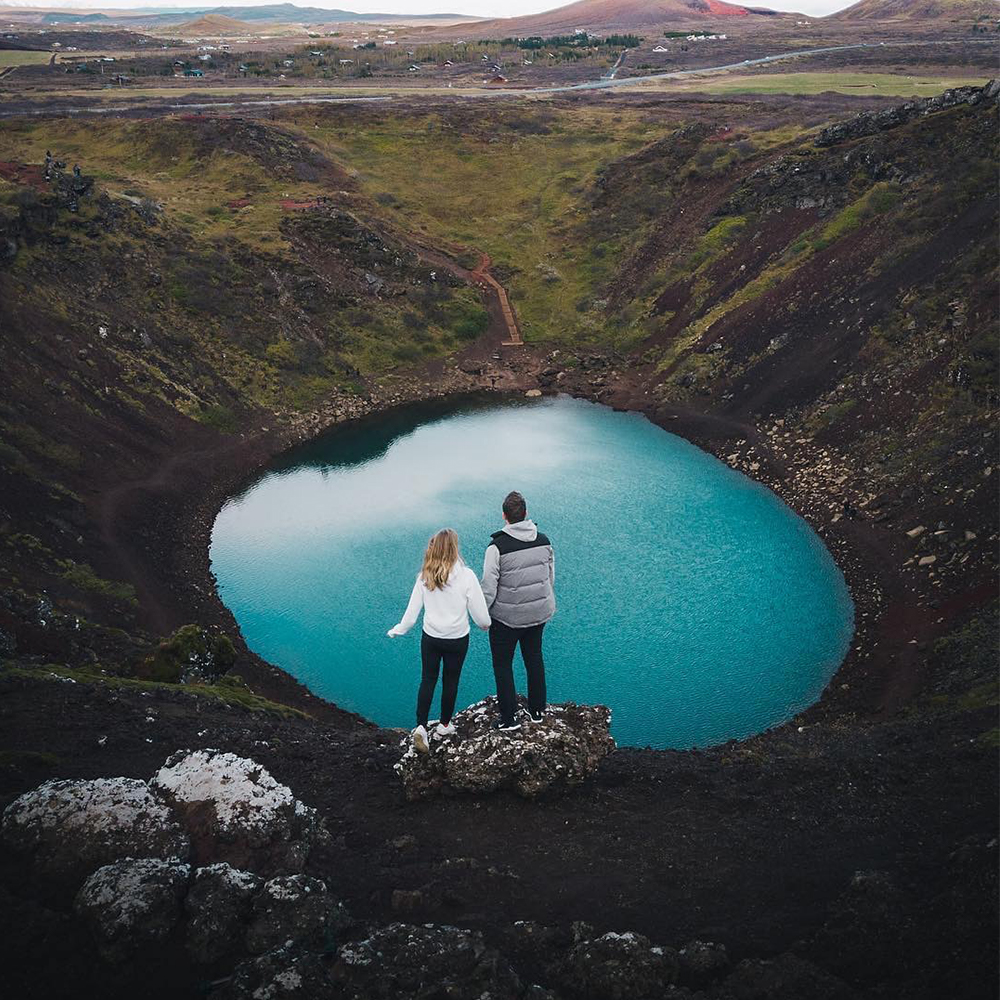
[506, 727]
[536, 716]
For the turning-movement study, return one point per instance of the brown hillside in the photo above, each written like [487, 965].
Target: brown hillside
[215, 24]
[622, 15]
[917, 10]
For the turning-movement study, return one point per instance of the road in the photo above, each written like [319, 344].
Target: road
[606, 82]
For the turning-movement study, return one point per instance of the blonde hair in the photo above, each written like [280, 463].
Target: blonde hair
[439, 559]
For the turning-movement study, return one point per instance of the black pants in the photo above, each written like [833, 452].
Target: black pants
[432, 652]
[503, 642]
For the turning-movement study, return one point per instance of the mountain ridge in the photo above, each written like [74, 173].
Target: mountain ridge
[915, 10]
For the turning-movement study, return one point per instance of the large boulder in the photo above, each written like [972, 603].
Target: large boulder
[235, 811]
[72, 827]
[563, 749]
[131, 903]
[403, 960]
[616, 967]
[218, 907]
[293, 910]
[281, 974]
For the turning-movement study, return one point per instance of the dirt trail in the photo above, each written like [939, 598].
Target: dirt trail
[482, 275]
[503, 322]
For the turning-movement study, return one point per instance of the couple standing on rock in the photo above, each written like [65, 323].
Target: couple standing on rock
[514, 601]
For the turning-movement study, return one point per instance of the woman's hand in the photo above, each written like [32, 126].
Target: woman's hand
[394, 631]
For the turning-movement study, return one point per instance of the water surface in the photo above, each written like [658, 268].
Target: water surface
[691, 599]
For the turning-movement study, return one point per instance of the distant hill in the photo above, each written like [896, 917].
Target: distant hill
[278, 13]
[623, 15]
[289, 12]
[216, 24]
[52, 18]
[917, 10]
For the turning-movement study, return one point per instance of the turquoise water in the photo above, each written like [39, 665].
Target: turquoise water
[691, 599]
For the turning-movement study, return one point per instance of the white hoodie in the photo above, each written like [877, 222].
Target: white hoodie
[447, 609]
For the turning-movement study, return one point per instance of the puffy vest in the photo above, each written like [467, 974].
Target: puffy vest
[524, 593]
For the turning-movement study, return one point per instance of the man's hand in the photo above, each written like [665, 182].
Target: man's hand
[394, 631]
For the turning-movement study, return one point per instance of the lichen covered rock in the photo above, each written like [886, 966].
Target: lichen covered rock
[616, 967]
[563, 749]
[218, 907]
[293, 910]
[72, 827]
[235, 811]
[403, 960]
[281, 974]
[132, 902]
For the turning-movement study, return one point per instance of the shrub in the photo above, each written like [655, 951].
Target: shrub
[220, 417]
[81, 576]
[190, 653]
[282, 353]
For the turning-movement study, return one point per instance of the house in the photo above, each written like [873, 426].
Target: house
[288, 62]
[315, 52]
[346, 62]
[499, 78]
[661, 48]
[414, 68]
[193, 72]
[448, 62]
[205, 57]
[389, 41]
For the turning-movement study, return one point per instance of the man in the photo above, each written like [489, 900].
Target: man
[518, 580]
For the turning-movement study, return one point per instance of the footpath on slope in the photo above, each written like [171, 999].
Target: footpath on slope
[503, 321]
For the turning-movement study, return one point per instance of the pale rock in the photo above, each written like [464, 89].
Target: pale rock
[131, 903]
[73, 827]
[561, 750]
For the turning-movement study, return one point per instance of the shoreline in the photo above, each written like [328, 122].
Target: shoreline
[875, 667]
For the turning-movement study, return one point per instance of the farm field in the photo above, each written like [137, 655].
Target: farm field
[22, 57]
[846, 82]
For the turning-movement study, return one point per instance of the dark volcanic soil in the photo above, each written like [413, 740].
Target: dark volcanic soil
[760, 845]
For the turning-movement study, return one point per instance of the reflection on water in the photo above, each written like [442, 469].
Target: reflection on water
[691, 600]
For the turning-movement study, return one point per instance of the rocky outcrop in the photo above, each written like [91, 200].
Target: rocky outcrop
[236, 811]
[138, 835]
[873, 122]
[282, 974]
[208, 805]
[616, 967]
[131, 903]
[562, 750]
[293, 909]
[405, 960]
[73, 827]
[218, 907]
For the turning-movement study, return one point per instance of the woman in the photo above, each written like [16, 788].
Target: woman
[448, 591]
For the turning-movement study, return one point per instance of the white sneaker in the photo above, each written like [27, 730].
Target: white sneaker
[421, 741]
[442, 730]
